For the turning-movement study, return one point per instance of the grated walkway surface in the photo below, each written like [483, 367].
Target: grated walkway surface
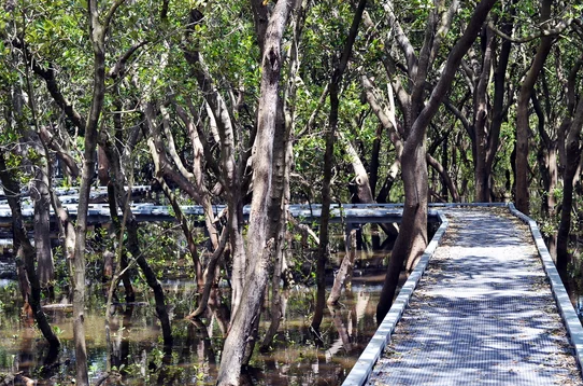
[483, 313]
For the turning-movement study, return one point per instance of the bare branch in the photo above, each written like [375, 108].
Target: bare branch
[446, 20]
[435, 164]
[119, 69]
[50, 141]
[459, 115]
[171, 145]
[389, 65]
[385, 116]
[557, 30]
[197, 137]
[402, 39]
[158, 152]
[453, 60]
[111, 12]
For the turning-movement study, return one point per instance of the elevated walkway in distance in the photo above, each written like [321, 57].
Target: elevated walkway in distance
[146, 212]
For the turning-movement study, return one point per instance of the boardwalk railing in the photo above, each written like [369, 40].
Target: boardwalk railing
[362, 370]
[363, 367]
[570, 317]
[345, 213]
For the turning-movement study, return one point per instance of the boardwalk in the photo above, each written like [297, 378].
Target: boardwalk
[479, 309]
[482, 314]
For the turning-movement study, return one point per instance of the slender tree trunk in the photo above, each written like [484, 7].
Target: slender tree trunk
[97, 32]
[344, 274]
[22, 243]
[522, 114]
[375, 159]
[153, 283]
[323, 251]
[498, 112]
[125, 277]
[444, 163]
[42, 232]
[547, 162]
[79, 268]
[334, 88]
[482, 175]
[209, 277]
[573, 150]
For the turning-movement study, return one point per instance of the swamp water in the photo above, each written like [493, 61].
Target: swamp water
[297, 356]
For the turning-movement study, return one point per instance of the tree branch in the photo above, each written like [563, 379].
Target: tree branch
[558, 29]
[119, 68]
[402, 39]
[444, 27]
[451, 66]
[110, 13]
[423, 63]
[49, 76]
[435, 164]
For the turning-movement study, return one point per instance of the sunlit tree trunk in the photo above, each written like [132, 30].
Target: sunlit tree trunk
[344, 275]
[412, 237]
[260, 246]
[282, 161]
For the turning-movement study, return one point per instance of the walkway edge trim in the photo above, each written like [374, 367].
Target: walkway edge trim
[362, 369]
[570, 318]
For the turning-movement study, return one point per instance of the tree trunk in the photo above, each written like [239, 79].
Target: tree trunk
[209, 277]
[42, 231]
[123, 263]
[573, 150]
[482, 176]
[22, 243]
[133, 242]
[498, 112]
[346, 267]
[522, 114]
[334, 88]
[375, 159]
[260, 247]
[97, 33]
[79, 266]
[412, 237]
[153, 283]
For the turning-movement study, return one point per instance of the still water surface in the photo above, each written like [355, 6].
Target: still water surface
[297, 356]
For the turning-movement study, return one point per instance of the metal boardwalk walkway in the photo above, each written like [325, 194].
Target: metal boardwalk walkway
[482, 313]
